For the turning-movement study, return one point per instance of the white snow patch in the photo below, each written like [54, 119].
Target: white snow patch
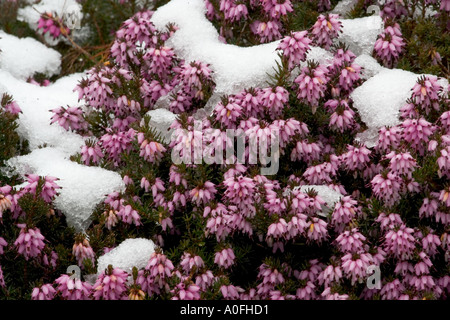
[130, 253]
[344, 6]
[360, 34]
[161, 120]
[370, 66]
[379, 100]
[24, 57]
[36, 103]
[83, 188]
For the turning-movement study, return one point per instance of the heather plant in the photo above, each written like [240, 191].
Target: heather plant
[226, 230]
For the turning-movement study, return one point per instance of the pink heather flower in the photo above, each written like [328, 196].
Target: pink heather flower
[355, 265]
[49, 186]
[83, 250]
[53, 258]
[356, 158]
[3, 244]
[445, 5]
[390, 221]
[30, 242]
[69, 118]
[45, 292]
[116, 143]
[267, 31]
[210, 11]
[249, 295]
[13, 108]
[324, 5]
[91, 153]
[444, 119]
[389, 45]
[342, 58]
[320, 174]
[288, 129]
[429, 208]
[205, 280]
[270, 278]
[350, 241]
[193, 76]
[185, 290]
[159, 60]
[443, 162]
[317, 230]
[400, 242]
[151, 151]
[154, 90]
[277, 231]
[156, 274]
[348, 76]
[393, 9]
[312, 84]
[426, 93]
[326, 28]
[392, 290]
[2, 280]
[294, 47]
[126, 106]
[401, 163]
[409, 110]
[47, 25]
[306, 151]
[417, 132]
[423, 283]
[111, 285]
[224, 258]
[204, 193]
[387, 187]
[274, 203]
[5, 201]
[422, 267]
[230, 292]
[311, 274]
[240, 190]
[73, 289]
[128, 215]
[188, 262]
[344, 211]
[110, 218]
[388, 139]
[136, 30]
[274, 100]
[277, 8]
[277, 295]
[444, 196]
[233, 11]
[330, 275]
[306, 203]
[306, 292]
[328, 295]
[342, 117]
[249, 100]
[219, 224]
[227, 112]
